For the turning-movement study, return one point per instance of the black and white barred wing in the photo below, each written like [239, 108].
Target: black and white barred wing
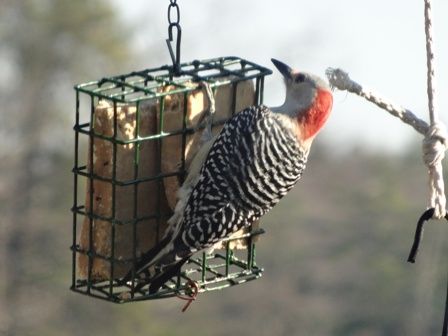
[252, 164]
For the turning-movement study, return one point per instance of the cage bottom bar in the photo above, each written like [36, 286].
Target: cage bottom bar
[215, 279]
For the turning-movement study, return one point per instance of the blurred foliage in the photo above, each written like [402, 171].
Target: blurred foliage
[334, 251]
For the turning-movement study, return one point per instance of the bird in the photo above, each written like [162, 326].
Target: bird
[240, 175]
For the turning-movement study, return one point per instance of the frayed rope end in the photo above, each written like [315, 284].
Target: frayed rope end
[340, 79]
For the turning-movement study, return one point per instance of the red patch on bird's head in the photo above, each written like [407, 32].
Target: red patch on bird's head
[314, 118]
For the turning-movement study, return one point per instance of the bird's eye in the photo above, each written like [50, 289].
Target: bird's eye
[300, 78]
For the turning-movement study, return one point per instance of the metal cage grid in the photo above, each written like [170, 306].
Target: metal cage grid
[210, 272]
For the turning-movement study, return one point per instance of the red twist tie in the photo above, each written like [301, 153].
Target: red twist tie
[190, 297]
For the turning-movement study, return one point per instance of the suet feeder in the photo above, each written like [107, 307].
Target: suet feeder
[135, 135]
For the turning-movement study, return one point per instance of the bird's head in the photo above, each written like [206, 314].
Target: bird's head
[308, 99]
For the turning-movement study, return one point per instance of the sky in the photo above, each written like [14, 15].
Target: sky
[381, 44]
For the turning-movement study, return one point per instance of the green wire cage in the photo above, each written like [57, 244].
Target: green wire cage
[119, 157]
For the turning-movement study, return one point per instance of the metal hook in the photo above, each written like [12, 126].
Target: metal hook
[175, 59]
[427, 215]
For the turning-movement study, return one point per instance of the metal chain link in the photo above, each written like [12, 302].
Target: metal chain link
[173, 7]
[174, 23]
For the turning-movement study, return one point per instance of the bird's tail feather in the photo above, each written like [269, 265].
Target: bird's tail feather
[160, 279]
[147, 259]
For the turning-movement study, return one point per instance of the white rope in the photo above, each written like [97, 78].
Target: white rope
[434, 143]
[434, 146]
[430, 64]
[340, 79]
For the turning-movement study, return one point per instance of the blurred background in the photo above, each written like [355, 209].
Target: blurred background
[335, 247]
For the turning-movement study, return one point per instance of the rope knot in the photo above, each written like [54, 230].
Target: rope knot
[434, 146]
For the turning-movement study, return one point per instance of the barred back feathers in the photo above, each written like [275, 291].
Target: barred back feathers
[253, 163]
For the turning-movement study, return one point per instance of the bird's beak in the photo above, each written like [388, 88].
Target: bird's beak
[285, 70]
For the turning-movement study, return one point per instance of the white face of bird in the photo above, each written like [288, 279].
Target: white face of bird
[301, 87]
[308, 98]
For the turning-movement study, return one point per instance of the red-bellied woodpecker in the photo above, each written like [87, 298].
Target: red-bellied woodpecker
[256, 159]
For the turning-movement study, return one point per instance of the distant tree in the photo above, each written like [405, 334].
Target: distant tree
[46, 46]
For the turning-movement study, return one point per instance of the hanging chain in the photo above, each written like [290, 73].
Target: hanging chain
[173, 21]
